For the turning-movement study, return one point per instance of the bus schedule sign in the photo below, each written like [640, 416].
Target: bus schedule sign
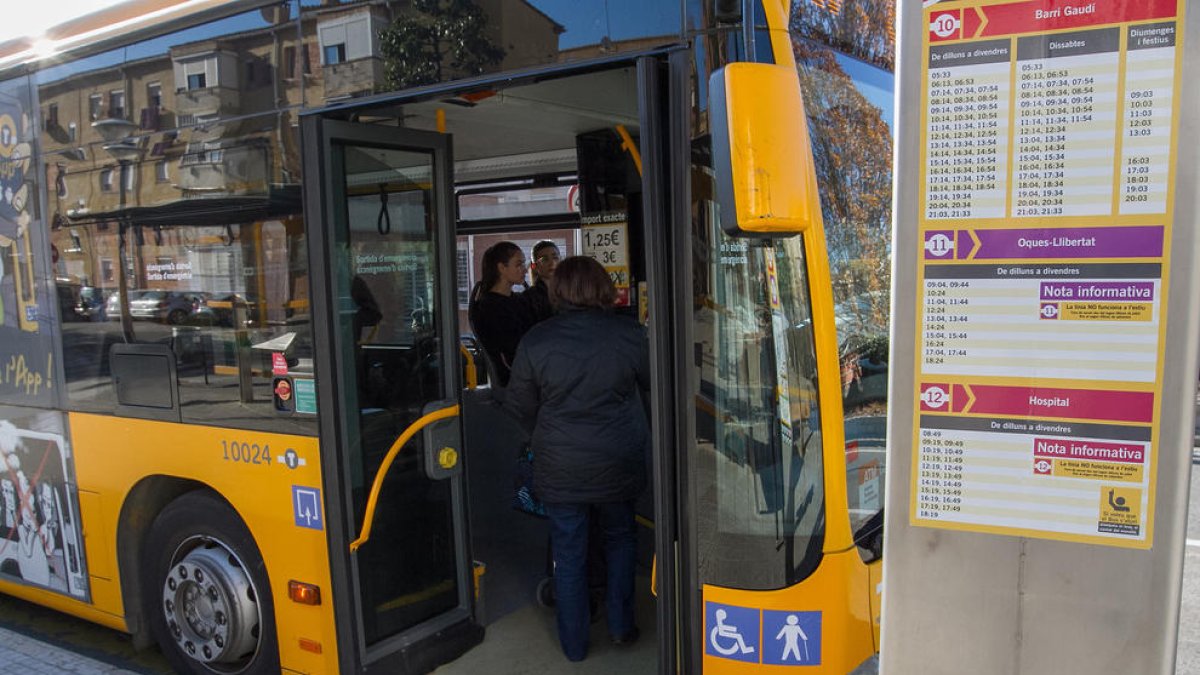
[1045, 219]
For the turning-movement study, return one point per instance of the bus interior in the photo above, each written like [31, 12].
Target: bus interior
[528, 160]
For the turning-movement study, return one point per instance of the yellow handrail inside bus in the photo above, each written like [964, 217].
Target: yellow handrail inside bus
[377, 485]
[472, 376]
[629, 146]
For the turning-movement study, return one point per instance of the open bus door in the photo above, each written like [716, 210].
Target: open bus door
[382, 245]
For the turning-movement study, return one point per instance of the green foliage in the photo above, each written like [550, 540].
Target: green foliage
[870, 347]
[437, 40]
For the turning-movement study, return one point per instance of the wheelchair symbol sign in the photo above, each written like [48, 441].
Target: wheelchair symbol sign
[731, 632]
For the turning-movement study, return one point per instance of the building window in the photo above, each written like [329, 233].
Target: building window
[335, 53]
[196, 81]
[107, 271]
[51, 116]
[154, 95]
[161, 171]
[94, 107]
[106, 180]
[307, 60]
[208, 152]
[116, 103]
[347, 38]
[289, 62]
[72, 130]
[129, 173]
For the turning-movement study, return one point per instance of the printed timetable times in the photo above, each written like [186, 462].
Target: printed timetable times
[967, 130]
[1069, 109]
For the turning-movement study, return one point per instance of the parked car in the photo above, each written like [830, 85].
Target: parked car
[173, 307]
[112, 306]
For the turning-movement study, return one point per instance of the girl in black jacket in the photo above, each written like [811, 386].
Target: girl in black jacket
[498, 317]
[576, 386]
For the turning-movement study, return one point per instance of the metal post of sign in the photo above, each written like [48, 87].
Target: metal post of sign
[1045, 329]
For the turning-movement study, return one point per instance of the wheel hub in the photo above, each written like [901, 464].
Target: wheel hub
[211, 607]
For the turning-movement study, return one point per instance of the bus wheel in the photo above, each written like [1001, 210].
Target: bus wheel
[207, 595]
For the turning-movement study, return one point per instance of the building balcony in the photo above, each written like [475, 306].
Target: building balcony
[353, 78]
[221, 171]
[207, 102]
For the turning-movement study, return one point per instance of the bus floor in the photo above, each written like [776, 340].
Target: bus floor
[522, 636]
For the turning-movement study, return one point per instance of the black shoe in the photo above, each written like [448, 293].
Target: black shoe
[627, 639]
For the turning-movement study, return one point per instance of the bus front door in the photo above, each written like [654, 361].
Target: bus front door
[380, 205]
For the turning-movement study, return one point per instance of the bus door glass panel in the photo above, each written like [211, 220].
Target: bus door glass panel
[758, 468]
[387, 285]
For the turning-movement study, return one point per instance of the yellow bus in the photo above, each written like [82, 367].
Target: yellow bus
[242, 413]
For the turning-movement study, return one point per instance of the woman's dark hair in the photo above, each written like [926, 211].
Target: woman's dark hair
[580, 281]
[496, 254]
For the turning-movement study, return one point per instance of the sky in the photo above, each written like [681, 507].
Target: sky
[33, 17]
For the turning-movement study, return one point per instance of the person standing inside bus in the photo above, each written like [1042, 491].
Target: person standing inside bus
[545, 260]
[498, 317]
[577, 386]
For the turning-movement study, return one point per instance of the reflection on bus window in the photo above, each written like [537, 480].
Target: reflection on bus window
[224, 298]
[25, 314]
[864, 29]
[849, 107]
[358, 48]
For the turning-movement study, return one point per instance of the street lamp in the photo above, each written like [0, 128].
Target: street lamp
[125, 150]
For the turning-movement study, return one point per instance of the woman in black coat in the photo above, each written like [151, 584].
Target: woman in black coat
[576, 386]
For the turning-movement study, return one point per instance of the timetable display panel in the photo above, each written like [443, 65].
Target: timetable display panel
[1046, 211]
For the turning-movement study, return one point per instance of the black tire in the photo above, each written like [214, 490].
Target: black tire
[176, 317]
[200, 533]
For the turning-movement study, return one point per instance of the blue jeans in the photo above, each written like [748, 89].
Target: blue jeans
[569, 542]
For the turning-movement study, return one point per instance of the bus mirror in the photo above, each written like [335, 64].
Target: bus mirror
[766, 180]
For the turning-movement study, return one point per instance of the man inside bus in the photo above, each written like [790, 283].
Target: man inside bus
[545, 260]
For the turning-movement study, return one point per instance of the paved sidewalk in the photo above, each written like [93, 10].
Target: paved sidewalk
[21, 654]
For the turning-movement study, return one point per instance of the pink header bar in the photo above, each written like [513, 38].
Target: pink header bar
[1084, 404]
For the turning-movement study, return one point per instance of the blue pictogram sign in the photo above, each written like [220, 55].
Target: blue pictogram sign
[731, 632]
[306, 502]
[791, 638]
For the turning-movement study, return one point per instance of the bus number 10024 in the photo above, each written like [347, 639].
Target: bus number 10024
[247, 453]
